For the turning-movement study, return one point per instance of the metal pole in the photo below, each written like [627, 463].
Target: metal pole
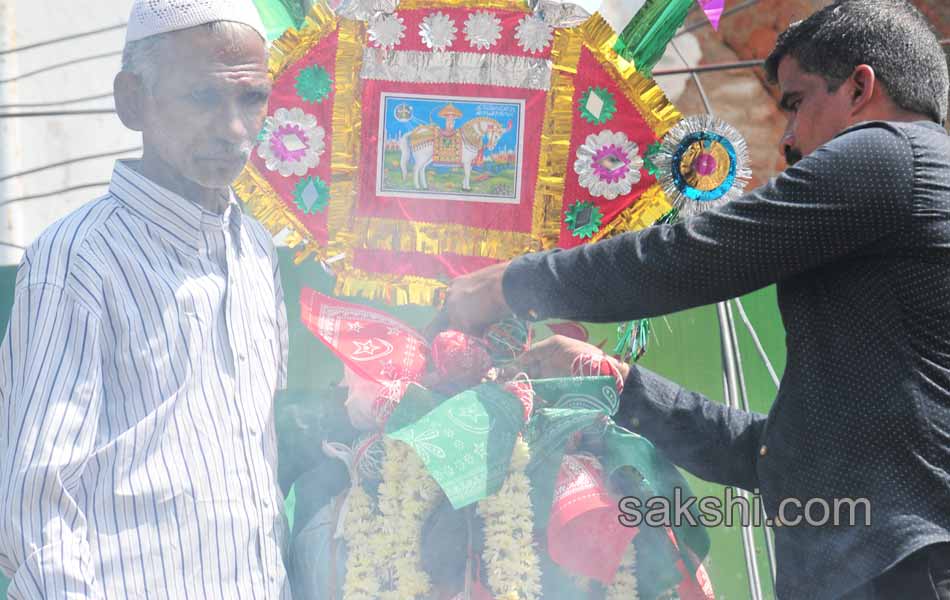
[731, 392]
[744, 402]
[731, 382]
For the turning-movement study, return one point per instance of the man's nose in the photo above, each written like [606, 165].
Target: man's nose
[786, 143]
[232, 125]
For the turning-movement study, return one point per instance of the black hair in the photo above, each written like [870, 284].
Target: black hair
[890, 36]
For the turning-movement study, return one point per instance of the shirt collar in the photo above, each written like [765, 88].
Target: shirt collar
[176, 219]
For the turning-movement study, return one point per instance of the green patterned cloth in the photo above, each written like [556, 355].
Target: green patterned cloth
[655, 476]
[466, 441]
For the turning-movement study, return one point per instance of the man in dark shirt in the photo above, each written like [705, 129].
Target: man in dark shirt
[856, 235]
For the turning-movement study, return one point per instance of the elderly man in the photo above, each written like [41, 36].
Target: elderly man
[857, 236]
[147, 339]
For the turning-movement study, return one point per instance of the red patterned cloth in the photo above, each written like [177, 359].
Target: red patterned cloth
[597, 365]
[459, 359]
[381, 355]
[584, 534]
[370, 342]
[524, 391]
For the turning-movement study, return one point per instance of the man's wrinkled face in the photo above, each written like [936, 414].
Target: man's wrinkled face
[815, 115]
[208, 104]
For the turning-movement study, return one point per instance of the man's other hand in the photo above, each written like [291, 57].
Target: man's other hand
[557, 356]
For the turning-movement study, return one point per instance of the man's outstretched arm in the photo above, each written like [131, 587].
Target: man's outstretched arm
[842, 199]
[712, 441]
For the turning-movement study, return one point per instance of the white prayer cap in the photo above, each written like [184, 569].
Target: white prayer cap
[154, 17]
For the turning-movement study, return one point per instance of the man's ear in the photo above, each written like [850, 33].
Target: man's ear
[863, 87]
[129, 92]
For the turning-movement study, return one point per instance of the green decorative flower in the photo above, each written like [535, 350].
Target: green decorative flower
[652, 151]
[583, 219]
[597, 105]
[311, 195]
[314, 84]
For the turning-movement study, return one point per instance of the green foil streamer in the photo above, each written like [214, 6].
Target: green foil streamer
[646, 36]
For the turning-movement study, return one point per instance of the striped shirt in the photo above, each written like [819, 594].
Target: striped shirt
[137, 378]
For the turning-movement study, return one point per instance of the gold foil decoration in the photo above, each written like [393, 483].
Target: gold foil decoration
[711, 181]
[347, 120]
[650, 206]
[645, 94]
[555, 143]
[440, 238]
[392, 289]
[294, 44]
[267, 207]
[348, 232]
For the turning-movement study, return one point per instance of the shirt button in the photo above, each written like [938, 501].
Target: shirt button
[242, 357]
[763, 451]
[252, 430]
[266, 503]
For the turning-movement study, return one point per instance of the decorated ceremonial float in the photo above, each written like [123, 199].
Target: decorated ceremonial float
[414, 141]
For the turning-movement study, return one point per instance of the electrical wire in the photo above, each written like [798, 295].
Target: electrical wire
[758, 344]
[57, 113]
[699, 86]
[739, 64]
[56, 66]
[74, 188]
[56, 102]
[66, 38]
[70, 161]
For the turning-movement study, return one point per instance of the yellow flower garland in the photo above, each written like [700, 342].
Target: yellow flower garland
[407, 494]
[510, 558]
[390, 489]
[624, 586]
[362, 581]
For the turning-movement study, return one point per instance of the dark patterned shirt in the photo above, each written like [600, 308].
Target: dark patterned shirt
[857, 238]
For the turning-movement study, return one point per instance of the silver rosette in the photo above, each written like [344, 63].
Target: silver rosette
[702, 163]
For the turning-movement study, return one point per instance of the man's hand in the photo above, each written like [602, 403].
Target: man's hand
[474, 301]
[557, 355]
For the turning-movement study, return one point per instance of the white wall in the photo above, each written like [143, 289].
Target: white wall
[28, 143]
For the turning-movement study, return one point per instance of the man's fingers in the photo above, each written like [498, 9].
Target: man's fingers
[528, 363]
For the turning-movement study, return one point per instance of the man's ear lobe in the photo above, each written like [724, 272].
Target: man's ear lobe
[129, 93]
[864, 82]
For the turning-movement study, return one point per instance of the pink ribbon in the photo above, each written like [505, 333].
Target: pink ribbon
[713, 10]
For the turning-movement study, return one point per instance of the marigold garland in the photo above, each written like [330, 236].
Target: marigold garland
[362, 577]
[407, 494]
[624, 585]
[510, 558]
[390, 489]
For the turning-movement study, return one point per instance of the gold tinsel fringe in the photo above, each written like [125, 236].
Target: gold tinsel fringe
[395, 291]
[644, 93]
[555, 143]
[347, 117]
[267, 207]
[440, 238]
[649, 207]
[295, 43]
